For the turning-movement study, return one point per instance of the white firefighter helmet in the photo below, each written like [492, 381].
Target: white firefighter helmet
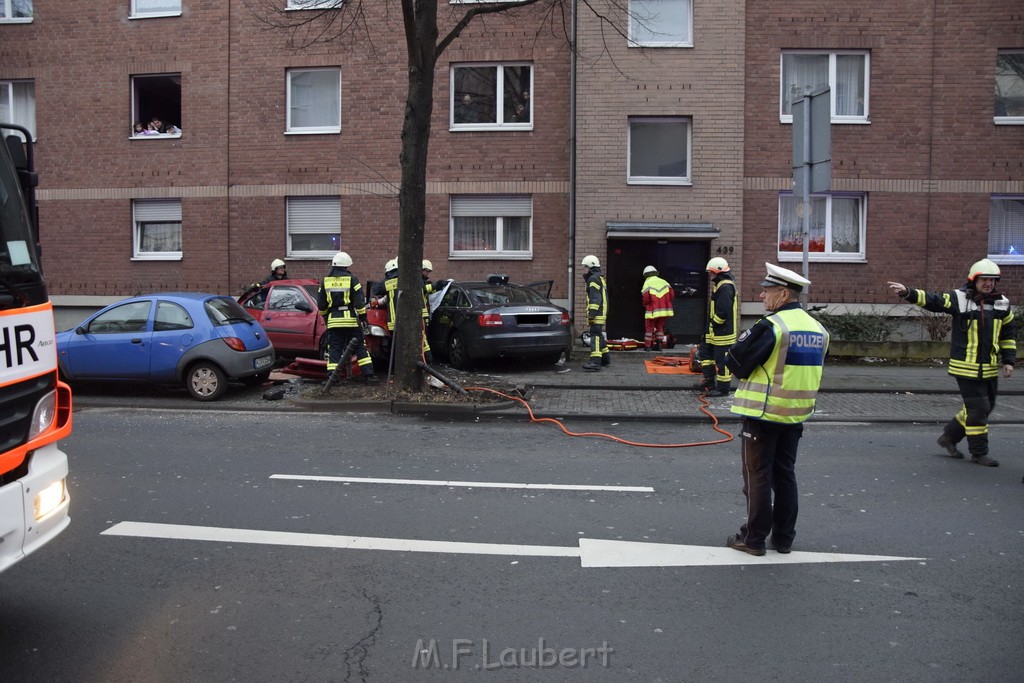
[650, 270]
[590, 261]
[983, 268]
[391, 265]
[341, 259]
[427, 265]
[276, 263]
[717, 265]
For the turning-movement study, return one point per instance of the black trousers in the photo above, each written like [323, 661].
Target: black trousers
[769, 466]
[972, 421]
[712, 364]
[337, 339]
[598, 341]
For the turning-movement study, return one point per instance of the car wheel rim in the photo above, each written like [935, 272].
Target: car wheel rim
[204, 382]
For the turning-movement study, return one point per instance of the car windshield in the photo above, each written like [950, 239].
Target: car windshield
[225, 311]
[505, 295]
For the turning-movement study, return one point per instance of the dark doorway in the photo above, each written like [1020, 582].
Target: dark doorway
[681, 263]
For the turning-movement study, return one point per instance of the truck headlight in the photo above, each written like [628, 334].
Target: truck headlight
[49, 499]
[43, 415]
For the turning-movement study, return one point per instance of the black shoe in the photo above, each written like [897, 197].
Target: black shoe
[606, 360]
[656, 347]
[592, 365]
[984, 460]
[718, 392]
[372, 379]
[950, 447]
[782, 550]
[736, 544]
[706, 384]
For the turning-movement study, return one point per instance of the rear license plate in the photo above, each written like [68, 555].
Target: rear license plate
[262, 362]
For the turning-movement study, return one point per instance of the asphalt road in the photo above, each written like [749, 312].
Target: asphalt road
[98, 606]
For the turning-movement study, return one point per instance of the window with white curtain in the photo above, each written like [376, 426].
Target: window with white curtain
[491, 96]
[846, 73]
[491, 226]
[157, 231]
[314, 100]
[660, 23]
[313, 226]
[658, 150]
[15, 11]
[1010, 87]
[155, 8]
[18, 104]
[1006, 229]
[838, 223]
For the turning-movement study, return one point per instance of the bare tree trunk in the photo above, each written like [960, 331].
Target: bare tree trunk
[421, 38]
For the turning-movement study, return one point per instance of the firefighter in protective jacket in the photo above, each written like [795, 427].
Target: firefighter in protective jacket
[597, 313]
[657, 296]
[340, 300]
[982, 340]
[723, 319]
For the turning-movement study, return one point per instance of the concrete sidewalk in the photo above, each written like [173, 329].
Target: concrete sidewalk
[851, 392]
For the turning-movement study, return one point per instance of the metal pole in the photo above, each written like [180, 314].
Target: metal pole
[806, 198]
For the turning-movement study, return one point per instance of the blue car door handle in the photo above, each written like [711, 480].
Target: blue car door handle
[137, 340]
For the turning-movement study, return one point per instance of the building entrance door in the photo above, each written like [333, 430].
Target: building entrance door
[680, 262]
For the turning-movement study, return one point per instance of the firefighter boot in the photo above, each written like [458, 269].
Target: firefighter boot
[720, 389]
[950, 447]
[592, 365]
[606, 359]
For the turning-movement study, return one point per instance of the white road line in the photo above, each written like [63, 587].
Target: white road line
[592, 552]
[465, 484]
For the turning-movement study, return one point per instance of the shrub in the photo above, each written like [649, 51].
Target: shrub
[936, 325]
[858, 326]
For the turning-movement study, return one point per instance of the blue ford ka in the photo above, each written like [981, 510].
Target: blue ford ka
[201, 340]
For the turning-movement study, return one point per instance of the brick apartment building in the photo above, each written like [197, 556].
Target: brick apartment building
[927, 143]
[682, 145]
[281, 152]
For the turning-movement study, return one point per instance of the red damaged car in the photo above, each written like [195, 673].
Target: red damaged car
[287, 311]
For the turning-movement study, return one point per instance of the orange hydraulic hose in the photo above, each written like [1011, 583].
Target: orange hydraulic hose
[703, 409]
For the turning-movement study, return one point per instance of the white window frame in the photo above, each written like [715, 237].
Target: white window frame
[499, 123]
[997, 221]
[334, 127]
[312, 215]
[827, 255]
[7, 13]
[155, 211]
[659, 180]
[490, 206]
[637, 22]
[832, 80]
[142, 13]
[25, 113]
[1016, 119]
[313, 4]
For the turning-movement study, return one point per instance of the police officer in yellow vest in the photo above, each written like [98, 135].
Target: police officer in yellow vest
[340, 300]
[778, 361]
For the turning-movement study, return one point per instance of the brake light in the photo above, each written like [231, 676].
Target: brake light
[490, 320]
[565, 319]
[235, 343]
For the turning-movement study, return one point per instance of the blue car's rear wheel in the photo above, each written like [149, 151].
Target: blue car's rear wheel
[205, 381]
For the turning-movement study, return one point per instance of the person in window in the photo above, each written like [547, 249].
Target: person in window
[141, 129]
[172, 129]
[156, 126]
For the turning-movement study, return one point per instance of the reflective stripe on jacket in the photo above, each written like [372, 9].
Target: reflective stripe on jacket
[597, 297]
[657, 296]
[391, 289]
[723, 312]
[784, 386]
[982, 336]
[341, 299]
